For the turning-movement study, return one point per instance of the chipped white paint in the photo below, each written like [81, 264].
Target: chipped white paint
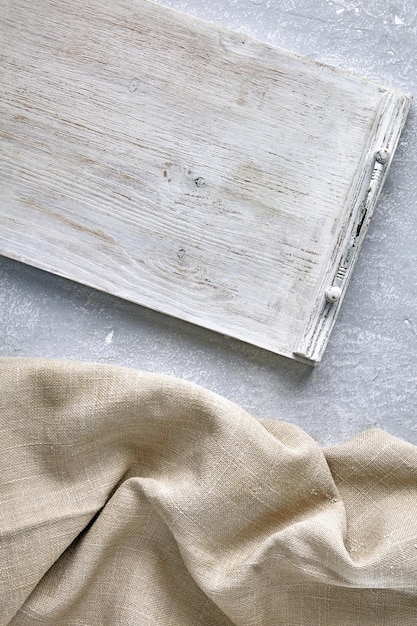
[109, 338]
[185, 167]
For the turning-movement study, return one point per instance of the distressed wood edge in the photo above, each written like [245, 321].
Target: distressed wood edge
[243, 37]
[368, 183]
[284, 351]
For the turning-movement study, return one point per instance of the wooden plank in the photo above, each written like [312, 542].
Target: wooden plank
[188, 168]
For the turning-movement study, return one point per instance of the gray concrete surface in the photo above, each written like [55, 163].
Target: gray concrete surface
[369, 374]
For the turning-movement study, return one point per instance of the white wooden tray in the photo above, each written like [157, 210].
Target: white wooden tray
[187, 168]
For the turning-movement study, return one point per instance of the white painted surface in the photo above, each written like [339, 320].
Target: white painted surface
[368, 376]
[185, 167]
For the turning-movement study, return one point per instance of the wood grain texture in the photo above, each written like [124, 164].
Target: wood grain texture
[182, 166]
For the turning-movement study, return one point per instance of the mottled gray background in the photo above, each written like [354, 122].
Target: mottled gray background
[369, 374]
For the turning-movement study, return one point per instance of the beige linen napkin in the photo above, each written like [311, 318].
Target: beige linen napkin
[131, 499]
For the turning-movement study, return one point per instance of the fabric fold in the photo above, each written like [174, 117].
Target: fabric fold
[135, 498]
